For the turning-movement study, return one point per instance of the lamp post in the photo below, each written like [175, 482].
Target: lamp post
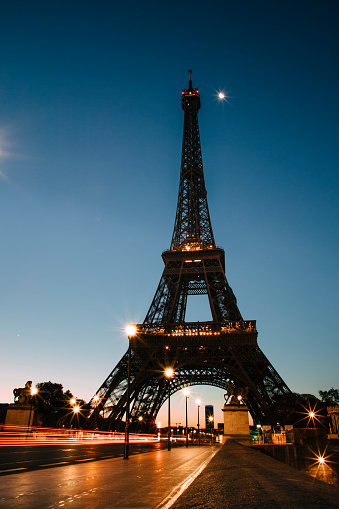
[169, 373]
[96, 401]
[76, 410]
[131, 330]
[34, 391]
[186, 392]
[72, 402]
[212, 427]
[198, 403]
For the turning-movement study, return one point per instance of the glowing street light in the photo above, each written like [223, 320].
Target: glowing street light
[198, 402]
[186, 392]
[34, 391]
[131, 331]
[211, 421]
[96, 400]
[169, 374]
[76, 411]
[221, 95]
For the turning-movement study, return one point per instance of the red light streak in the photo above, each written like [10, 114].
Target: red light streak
[20, 436]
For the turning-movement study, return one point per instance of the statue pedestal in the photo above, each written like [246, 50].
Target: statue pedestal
[19, 415]
[236, 424]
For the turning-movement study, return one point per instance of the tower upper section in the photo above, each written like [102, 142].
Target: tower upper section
[192, 228]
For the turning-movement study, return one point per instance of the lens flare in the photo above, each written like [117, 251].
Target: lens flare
[131, 330]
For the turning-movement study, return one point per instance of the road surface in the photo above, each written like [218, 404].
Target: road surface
[153, 480]
[22, 458]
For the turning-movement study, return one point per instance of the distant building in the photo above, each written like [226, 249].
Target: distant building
[209, 417]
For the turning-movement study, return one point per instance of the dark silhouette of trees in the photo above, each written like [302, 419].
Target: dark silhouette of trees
[331, 397]
[53, 407]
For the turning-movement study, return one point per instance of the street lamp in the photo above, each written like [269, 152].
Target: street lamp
[34, 391]
[198, 402]
[169, 373]
[96, 400]
[76, 410]
[212, 427]
[186, 392]
[131, 331]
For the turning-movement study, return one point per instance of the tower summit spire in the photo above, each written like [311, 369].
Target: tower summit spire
[192, 221]
[190, 79]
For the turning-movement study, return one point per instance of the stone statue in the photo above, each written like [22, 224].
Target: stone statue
[234, 395]
[23, 394]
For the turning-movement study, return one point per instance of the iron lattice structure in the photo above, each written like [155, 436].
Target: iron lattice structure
[203, 353]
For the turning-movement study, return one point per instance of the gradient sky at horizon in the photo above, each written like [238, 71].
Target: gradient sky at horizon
[90, 145]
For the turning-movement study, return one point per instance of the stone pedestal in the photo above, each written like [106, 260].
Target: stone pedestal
[19, 415]
[236, 425]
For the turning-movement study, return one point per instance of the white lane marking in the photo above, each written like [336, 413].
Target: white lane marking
[53, 464]
[179, 490]
[12, 470]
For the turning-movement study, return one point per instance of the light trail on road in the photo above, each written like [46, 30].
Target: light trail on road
[17, 436]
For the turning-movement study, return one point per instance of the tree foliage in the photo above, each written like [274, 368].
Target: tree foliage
[330, 397]
[294, 408]
[53, 408]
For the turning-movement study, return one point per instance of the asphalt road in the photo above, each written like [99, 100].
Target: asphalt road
[19, 459]
[153, 480]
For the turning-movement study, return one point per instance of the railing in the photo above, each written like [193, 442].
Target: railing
[198, 328]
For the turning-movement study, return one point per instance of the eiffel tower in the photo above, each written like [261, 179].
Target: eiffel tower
[203, 353]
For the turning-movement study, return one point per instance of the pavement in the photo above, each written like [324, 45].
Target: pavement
[243, 477]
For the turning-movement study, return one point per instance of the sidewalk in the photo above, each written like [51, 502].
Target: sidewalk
[242, 477]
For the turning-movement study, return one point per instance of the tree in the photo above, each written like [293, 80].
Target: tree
[331, 396]
[54, 409]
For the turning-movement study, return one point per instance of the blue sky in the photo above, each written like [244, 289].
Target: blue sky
[90, 143]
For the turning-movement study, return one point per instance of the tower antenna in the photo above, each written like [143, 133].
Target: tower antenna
[190, 78]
